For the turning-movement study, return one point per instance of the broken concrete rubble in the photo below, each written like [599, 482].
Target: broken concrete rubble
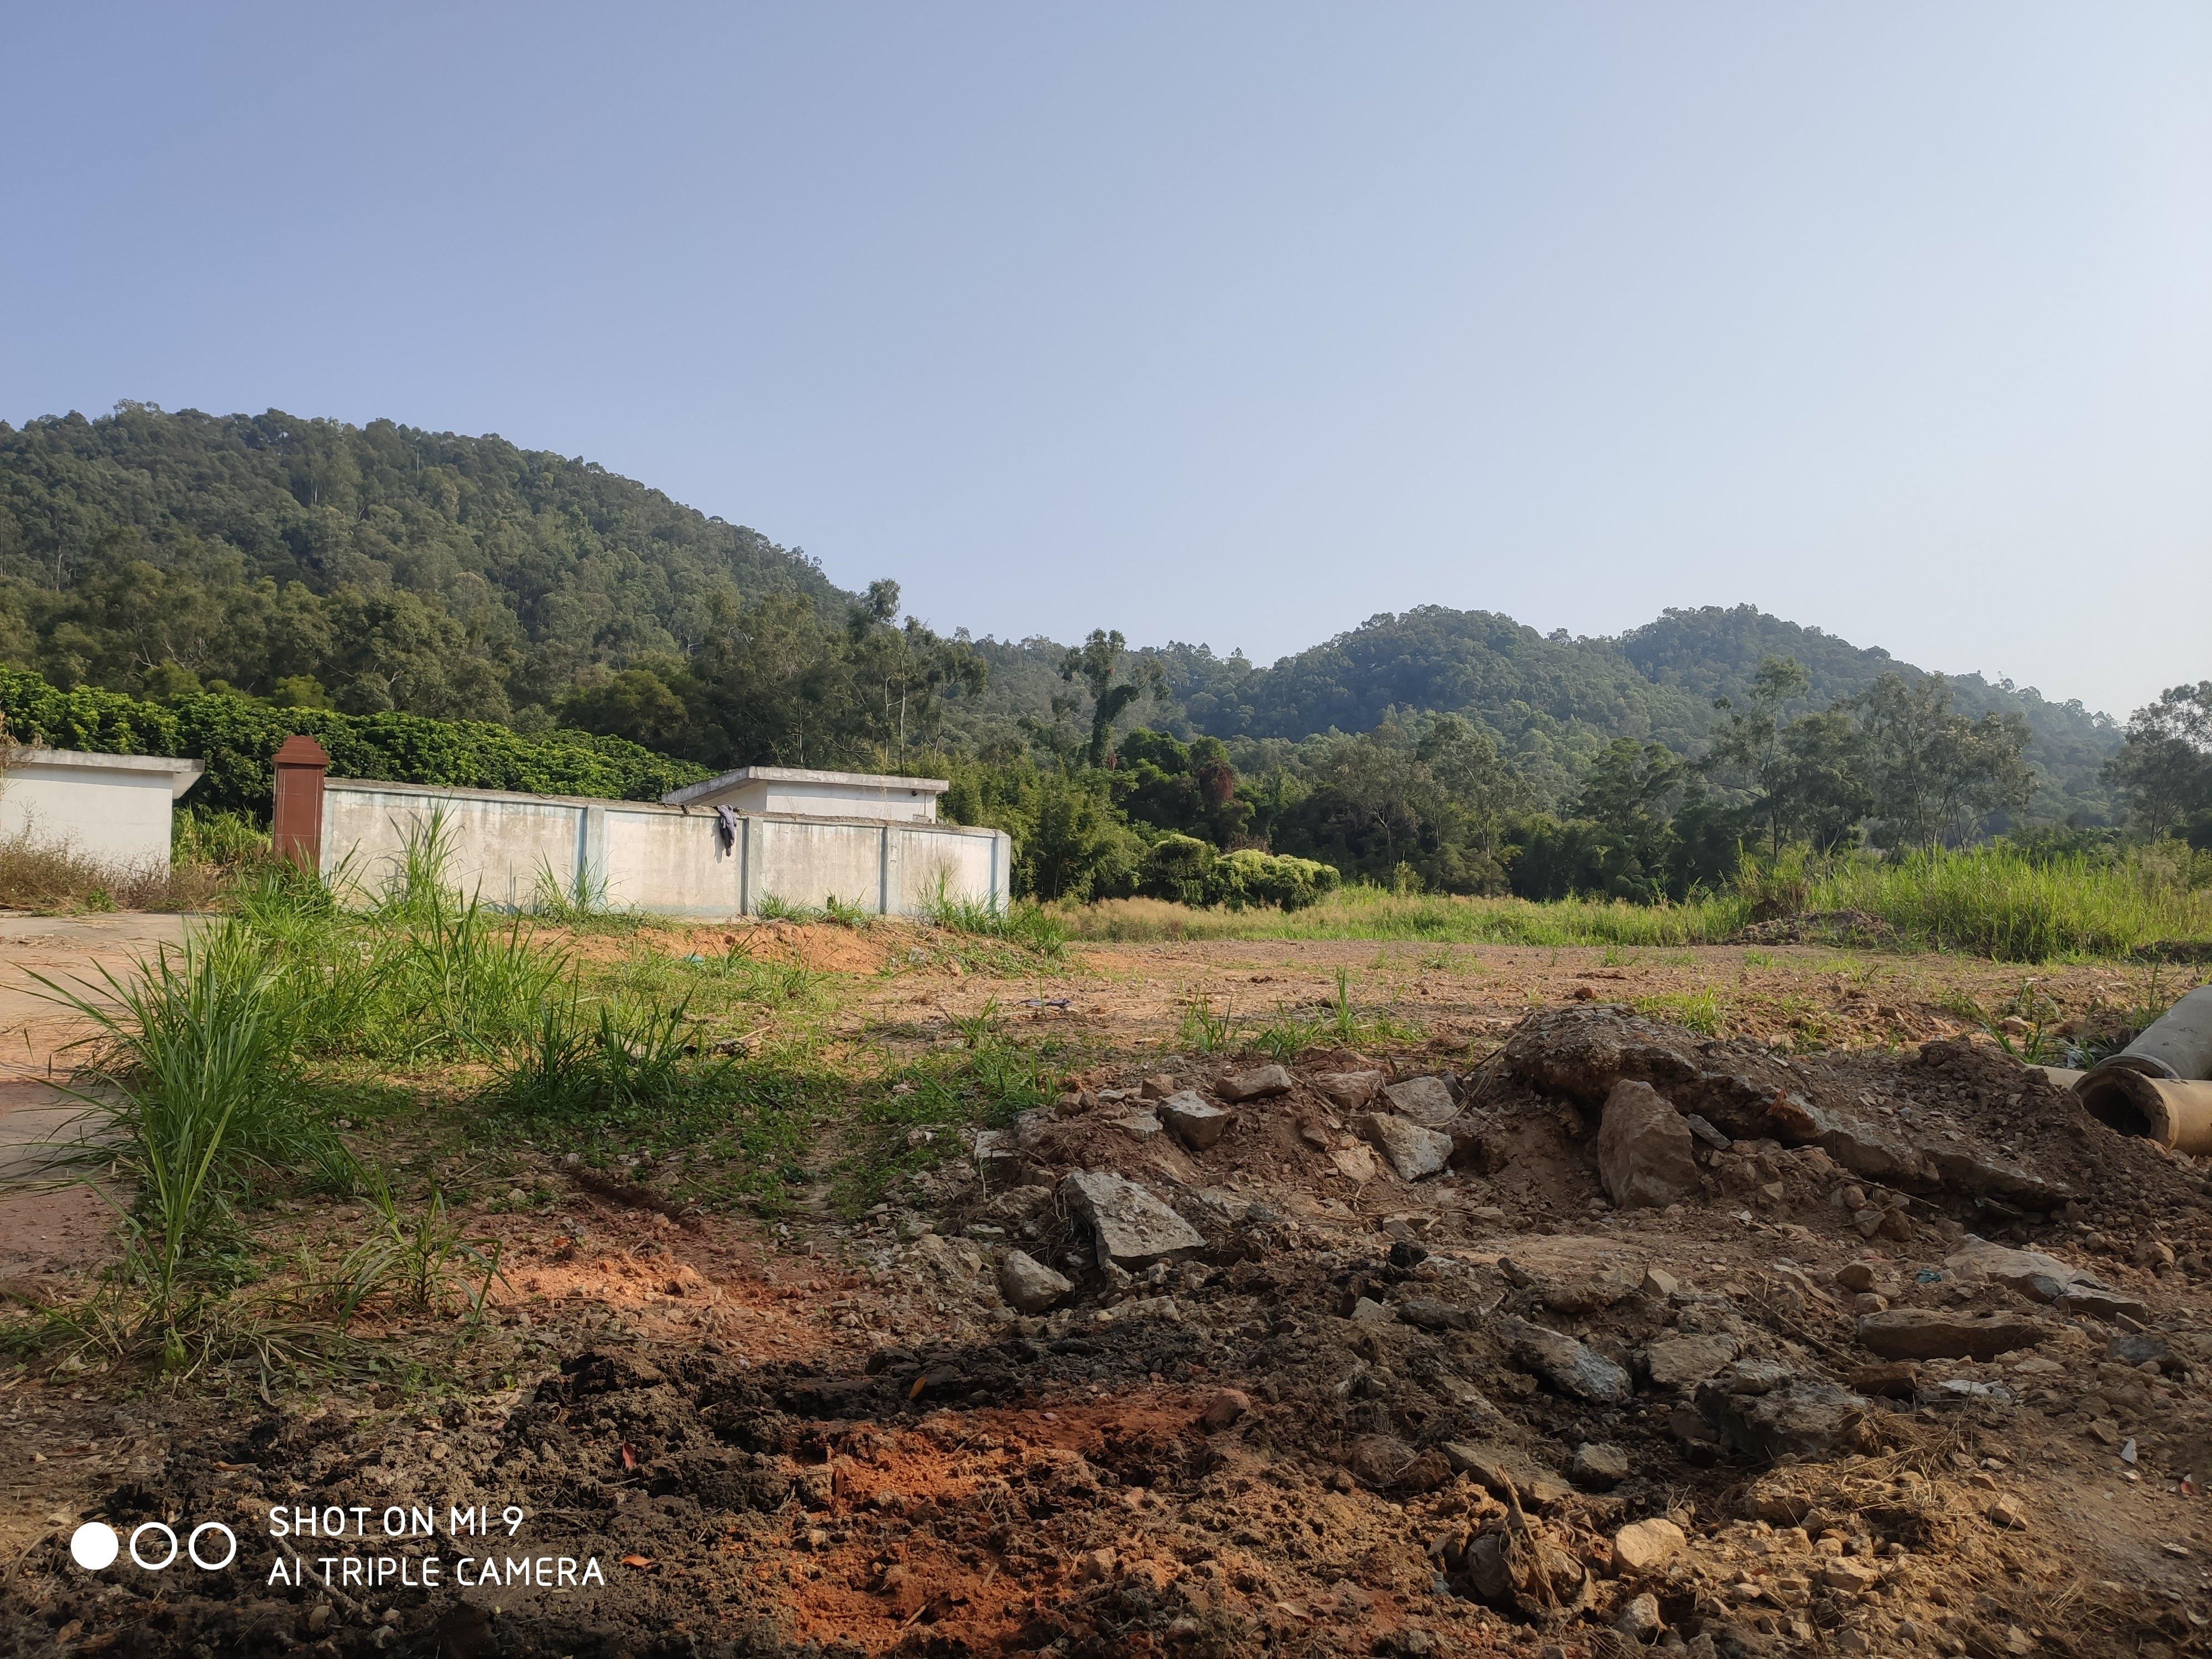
[1426, 1101]
[1413, 1152]
[1349, 1090]
[1257, 1084]
[1196, 1122]
[1130, 1228]
[1567, 1363]
[1755, 1412]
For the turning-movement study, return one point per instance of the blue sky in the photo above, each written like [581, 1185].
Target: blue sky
[1234, 323]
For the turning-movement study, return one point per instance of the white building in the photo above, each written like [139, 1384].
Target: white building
[111, 808]
[804, 793]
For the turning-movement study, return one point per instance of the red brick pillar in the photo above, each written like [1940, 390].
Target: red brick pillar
[295, 826]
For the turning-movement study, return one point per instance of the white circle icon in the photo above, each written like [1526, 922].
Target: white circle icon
[93, 1546]
[140, 1532]
[192, 1546]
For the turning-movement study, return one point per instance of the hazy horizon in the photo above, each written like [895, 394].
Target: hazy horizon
[1234, 327]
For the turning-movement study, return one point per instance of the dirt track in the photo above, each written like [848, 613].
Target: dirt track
[1320, 1429]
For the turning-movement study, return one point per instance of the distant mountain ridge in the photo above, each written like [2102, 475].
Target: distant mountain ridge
[466, 577]
[1551, 701]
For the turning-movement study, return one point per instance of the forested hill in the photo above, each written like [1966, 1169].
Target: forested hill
[395, 567]
[382, 567]
[1553, 701]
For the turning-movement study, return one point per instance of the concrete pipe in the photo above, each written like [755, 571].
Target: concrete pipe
[2176, 1113]
[2177, 1044]
[2064, 1077]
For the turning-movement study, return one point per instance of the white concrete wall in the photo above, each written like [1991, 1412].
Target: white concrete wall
[111, 809]
[663, 859]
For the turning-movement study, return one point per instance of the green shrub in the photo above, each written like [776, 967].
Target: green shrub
[236, 738]
[1185, 870]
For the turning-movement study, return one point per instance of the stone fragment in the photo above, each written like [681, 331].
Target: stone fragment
[1852, 1577]
[1588, 1293]
[1598, 1465]
[1658, 1282]
[1378, 1459]
[1159, 1087]
[1197, 1123]
[1227, 1406]
[1706, 1132]
[1368, 1311]
[1501, 1470]
[2125, 1348]
[1426, 1101]
[1027, 1285]
[1803, 1419]
[1644, 1148]
[1639, 1621]
[1413, 1152]
[1425, 1473]
[1932, 1333]
[1431, 1315]
[2005, 1513]
[2095, 1302]
[1565, 1363]
[1129, 1227]
[2033, 1274]
[1354, 1163]
[1893, 1379]
[1673, 1361]
[1646, 1545]
[1139, 1126]
[1349, 1090]
[1855, 1276]
[1257, 1084]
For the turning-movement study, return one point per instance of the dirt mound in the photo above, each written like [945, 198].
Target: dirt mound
[1912, 1366]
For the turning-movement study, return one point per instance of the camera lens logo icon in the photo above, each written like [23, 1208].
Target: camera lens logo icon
[154, 1546]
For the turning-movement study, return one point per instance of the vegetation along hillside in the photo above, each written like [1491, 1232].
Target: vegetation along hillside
[286, 564]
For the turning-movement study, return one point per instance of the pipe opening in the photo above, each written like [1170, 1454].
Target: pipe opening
[2109, 1099]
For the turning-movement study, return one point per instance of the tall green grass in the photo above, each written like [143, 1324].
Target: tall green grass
[191, 1084]
[1996, 901]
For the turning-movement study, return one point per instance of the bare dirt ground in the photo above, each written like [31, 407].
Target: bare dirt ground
[1779, 1381]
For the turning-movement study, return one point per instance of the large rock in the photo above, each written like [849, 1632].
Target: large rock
[1646, 1545]
[1426, 1101]
[1765, 1416]
[1196, 1122]
[1129, 1227]
[2038, 1277]
[1673, 1361]
[1027, 1285]
[1411, 1150]
[1644, 1149]
[1565, 1363]
[1255, 1085]
[1929, 1334]
[1349, 1089]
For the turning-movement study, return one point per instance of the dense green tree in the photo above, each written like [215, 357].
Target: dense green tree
[1936, 774]
[1093, 665]
[2165, 765]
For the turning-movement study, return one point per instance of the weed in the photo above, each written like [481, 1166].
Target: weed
[977, 1029]
[834, 910]
[1030, 927]
[579, 902]
[1284, 1037]
[1203, 1030]
[192, 1084]
[769, 908]
[1697, 1010]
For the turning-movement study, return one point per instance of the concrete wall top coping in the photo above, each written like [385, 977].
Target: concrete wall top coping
[745, 775]
[182, 773]
[936, 826]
